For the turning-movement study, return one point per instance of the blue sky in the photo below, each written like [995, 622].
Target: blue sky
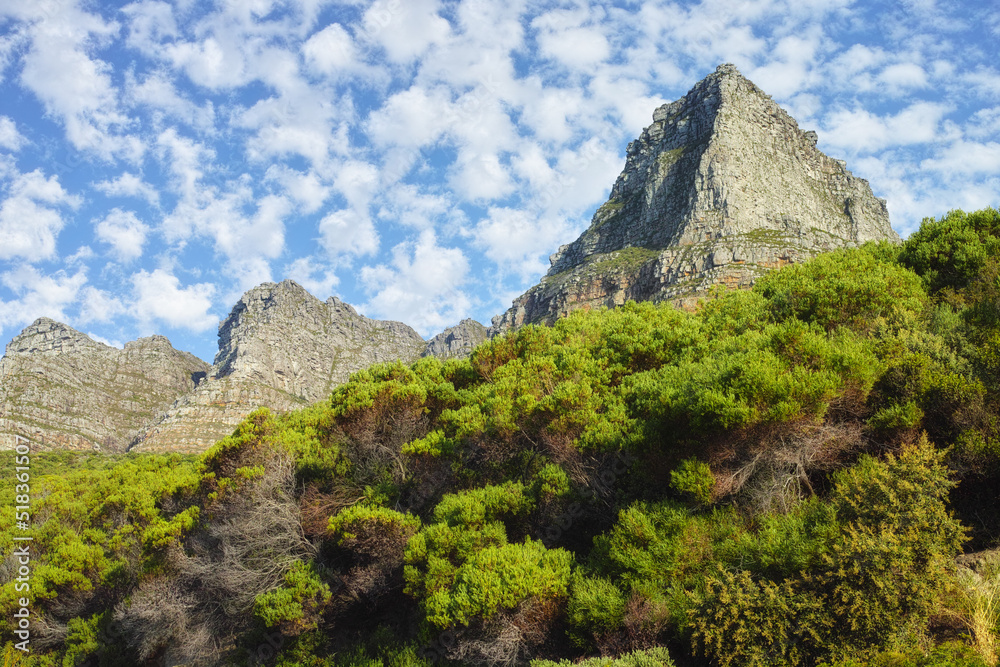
[419, 159]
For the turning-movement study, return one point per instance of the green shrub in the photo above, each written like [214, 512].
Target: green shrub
[596, 607]
[694, 480]
[295, 606]
[654, 657]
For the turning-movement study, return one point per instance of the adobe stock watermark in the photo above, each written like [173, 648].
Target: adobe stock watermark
[22, 543]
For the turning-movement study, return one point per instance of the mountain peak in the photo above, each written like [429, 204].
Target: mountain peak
[722, 186]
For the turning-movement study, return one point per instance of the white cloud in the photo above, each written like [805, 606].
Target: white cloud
[789, 65]
[150, 23]
[187, 159]
[159, 298]
[99, 306]
[404, 28]
[158, 92]
[348, 233]
[903, 77]
[129, 185]
[222, 218]
[306, 188]
[967, 158]
[29, 217]
[124, 232]
[517, 240]
[412, 118]
[330, 51]
[10, 138]
[39, 295]
[480, 177]
[421, 286]
[407, 205]
[861, 130]
[74, 87]
[212, 64]
[318, 278]
[577, 48]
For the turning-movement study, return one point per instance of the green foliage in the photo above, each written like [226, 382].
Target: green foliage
[694, 480]
[462, 567]
[950, 654]
[438, 478]
[949, 253]
[739, 621]
[851, 288]
[654, 657]
[886, 568]
[596, 608]
[360, 522]
[294, 606]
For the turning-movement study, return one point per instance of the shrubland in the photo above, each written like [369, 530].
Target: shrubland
[804, 473]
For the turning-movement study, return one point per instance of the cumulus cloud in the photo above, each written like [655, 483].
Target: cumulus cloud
[347, 233]
[158, 298]
[99, 306]
[330, 51]
[404, 28]
[124, 232]
[966, 158]
[862, 130]
[10, 138]
[129, 185]
[72, 85]
[516, 241]
[421, 286]
[39, 294]
[30, 217]
[317, 277]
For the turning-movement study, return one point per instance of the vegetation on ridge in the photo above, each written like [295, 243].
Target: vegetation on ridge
[783, 477]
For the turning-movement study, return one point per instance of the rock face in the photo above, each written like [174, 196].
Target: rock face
[281, 347]
[721, 187]
[60, 389]
[457, 341]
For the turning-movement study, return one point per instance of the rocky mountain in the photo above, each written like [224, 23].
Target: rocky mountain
[279, 346]
[457, 341]
[63, 390]
[722, 186]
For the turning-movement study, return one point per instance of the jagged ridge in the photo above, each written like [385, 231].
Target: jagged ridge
[721, 186]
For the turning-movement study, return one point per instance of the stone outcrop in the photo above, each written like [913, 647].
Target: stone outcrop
[283, 348]
[721, 187]
[279, 347]
[62, 390]
[457, 341]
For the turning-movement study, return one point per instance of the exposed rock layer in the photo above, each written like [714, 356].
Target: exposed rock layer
[60, 389]
[281, 347]
[722, 186]
[457, 341]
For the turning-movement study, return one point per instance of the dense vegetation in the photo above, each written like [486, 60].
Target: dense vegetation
[784, 477]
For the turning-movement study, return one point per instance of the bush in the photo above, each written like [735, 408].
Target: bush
[694, 480]
[296, 605]
[654, 657]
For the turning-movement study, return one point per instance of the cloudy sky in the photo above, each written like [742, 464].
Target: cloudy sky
[419, 158]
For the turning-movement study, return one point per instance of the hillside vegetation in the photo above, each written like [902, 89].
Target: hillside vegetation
[784, 477]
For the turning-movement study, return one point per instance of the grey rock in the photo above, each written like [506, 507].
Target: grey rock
[720, 188]
[62, 390]
[457, 341]
[279, 347]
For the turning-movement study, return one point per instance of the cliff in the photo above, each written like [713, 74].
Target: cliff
[721, 186]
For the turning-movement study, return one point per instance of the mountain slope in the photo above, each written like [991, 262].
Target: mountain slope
[722, 186]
